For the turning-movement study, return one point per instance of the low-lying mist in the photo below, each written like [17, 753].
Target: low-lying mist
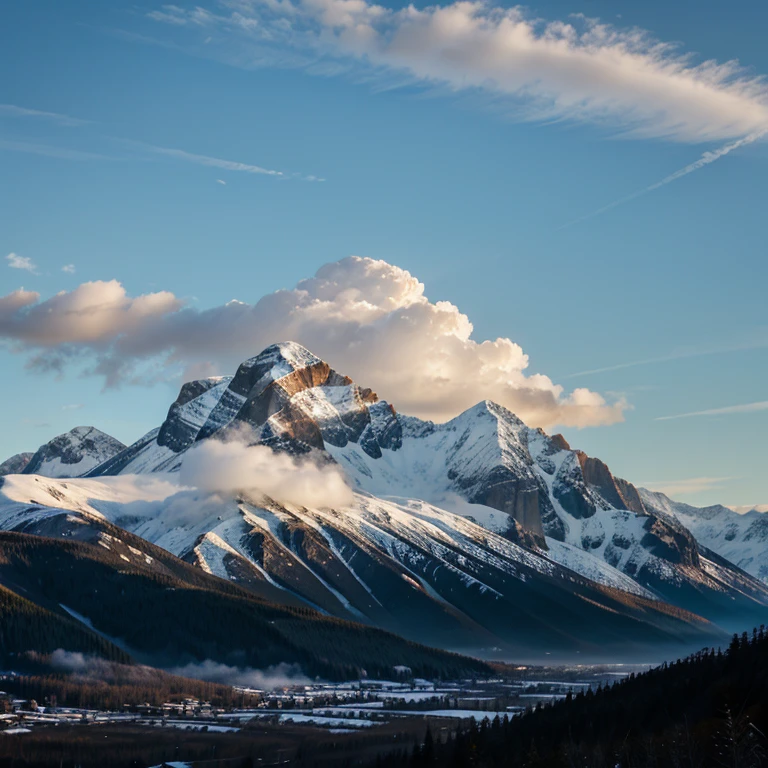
[277, 676]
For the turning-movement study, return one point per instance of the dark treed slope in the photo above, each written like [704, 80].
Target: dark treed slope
[25, 625]
[167, 612]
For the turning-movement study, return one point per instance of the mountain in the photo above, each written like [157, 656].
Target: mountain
[70, 455]
[15, 464]
[406, 566]
[485, 465]
[740, 538]
[480, 533]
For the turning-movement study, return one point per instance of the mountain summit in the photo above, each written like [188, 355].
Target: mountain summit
[73, 454]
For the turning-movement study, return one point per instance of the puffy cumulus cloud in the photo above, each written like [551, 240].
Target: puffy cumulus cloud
[21, 262]
[368, 319]
[579, 69]
[233, 466]
[93, 313]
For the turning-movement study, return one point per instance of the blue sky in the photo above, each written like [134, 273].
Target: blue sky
[460, 187]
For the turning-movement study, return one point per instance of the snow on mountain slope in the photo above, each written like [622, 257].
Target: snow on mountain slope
[485, 465]
[159, 450]
[73, 454]
[740, 538]
[448, 520]
[480, 456]
[616, 536]
[486, 459]
[33, 496]
[593, 568]
[404, 564]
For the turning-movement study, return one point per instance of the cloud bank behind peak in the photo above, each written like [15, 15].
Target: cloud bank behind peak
[369, 319]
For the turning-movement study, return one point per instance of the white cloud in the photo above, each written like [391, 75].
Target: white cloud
[234, 467]
[69, 269]
[21, 262]
[221, 181]
[742, 509]
[579, 70]
[706, 159]
[757, 341]
[369, 319]
[72, 407]
[726, 411]
[687, 486]
[212, 162]
[92, 313]
[12, 110]
[217, 162]
[47, 150]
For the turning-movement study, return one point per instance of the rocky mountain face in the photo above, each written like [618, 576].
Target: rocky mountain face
[15, 464]
[477, 533]
[73, 454]
[740, 538]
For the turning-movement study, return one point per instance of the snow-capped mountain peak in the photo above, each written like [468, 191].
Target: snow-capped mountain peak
[74, 453]
[438, 508]
[741, 538]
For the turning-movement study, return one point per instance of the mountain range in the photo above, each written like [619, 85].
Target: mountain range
[480, 534]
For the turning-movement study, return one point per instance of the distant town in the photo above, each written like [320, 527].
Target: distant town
[339, 708]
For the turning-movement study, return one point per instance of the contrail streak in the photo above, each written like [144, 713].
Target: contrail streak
[705, 159]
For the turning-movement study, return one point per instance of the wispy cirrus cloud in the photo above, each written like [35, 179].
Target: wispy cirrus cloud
[758, 341]
[706, 159]
[211, 162]
[687, 486]
[728, 410]
[577, 69]
[67, 153]
[48, 150]
[69, 269]
[21, 262]
[220, 163]
[12, 110]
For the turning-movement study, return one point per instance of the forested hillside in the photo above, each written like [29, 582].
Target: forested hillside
[708, 710]
[167, 613]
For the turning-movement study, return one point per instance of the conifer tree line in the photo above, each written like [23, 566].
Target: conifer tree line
[708, 710]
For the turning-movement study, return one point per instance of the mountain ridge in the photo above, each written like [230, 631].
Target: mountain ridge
[449, 522]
